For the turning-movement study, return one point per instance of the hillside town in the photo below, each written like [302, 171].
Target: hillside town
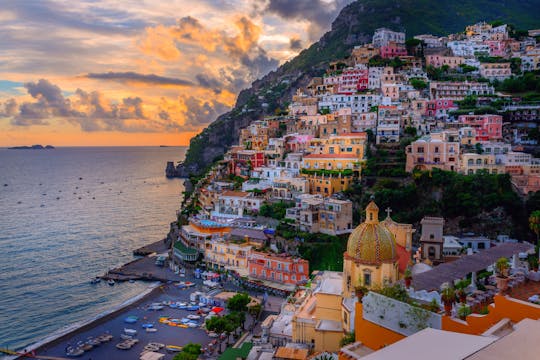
[467, 104]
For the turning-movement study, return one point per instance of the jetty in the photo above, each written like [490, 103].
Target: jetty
[30, 355]
[144, 268]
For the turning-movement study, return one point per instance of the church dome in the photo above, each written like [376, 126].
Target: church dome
[371, 243]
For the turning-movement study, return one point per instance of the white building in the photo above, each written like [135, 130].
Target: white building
[359, 103]
[468, 48]
[383, 36]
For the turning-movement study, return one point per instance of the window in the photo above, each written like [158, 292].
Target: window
[367, 279]
[421, 149]
[431, 251]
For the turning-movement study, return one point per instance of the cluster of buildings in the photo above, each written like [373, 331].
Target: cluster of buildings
[305, 160]
[301, 163]
[409, 322]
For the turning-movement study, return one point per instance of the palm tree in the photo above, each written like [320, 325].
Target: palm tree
[534, 225]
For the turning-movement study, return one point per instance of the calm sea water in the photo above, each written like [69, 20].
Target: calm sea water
[67, 215]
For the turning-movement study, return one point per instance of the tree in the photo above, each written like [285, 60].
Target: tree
[190, 351]
[534, 224]
[418, 84]
[239, 302]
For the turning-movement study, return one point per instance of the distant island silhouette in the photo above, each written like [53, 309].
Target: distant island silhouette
[33, 147]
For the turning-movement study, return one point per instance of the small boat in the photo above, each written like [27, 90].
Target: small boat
[132, 319]
[126, 337]
[193, 308]
[93, 342]
[131, 332]
[148, 325]
[151, 347]
[111, 282]
[95, 280]
[192, 324]
[74, 352]
[123, 346]
[155, 307]
[193, 317]
[131, 281]
[105, 338]
[86, 347]
[173, 348]
[151, 330]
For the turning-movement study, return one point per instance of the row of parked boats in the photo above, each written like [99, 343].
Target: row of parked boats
[83, 346]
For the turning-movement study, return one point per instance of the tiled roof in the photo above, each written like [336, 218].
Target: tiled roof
[447, 272]
[235, 193]
[331, 156]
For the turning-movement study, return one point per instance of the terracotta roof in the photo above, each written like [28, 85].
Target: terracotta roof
[450, 271]
[404, 257]
[235, 193]
[331, 156]
[351, 134]
[290, 353]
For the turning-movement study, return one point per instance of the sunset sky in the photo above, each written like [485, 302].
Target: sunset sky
[97, 72]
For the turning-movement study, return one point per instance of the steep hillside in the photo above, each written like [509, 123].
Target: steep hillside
[354, 25]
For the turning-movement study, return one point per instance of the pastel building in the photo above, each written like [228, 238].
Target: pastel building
[433, 151]
[495, 71]
[234, 204]
[353, 80]
[377, 253]
[221, 253]
[280, 268]
[193, 238]
[487, 127]
[362, 53]
[383, 36]
[439, 108]
[458, 90]
[388, 124]
[393, 49]
[314, 213]
[437, 61]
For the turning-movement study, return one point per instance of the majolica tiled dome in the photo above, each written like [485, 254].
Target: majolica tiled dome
[371, 243]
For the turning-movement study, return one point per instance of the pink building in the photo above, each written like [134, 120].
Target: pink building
[439, 108]
[353, 80]
[242, 161]
[392, 50]
[496, 47]
[487, 127]
[280, 268]
[438, 150]
[439, 60]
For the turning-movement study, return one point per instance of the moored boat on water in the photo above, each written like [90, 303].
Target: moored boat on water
[111, 282]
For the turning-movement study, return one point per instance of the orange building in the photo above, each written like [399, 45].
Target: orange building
[278, 268]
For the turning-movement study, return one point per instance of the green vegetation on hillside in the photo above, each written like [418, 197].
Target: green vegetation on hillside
[354, 25]
[452, 196]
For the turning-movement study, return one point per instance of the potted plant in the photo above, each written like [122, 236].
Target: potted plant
[448, 296]
[464, 311]
[361, 291]
[408, 277]
[460, 290]
[501, 269]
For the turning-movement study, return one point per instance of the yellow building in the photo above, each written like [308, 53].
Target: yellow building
[351, 143]
[472, 163]
[220, 254]
[374, 257]
[317, 321]
[328, 184]
[371, 259]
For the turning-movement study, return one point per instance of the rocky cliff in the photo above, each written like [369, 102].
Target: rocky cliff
[354, 25]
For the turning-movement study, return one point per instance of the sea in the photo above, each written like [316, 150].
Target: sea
[68, 215]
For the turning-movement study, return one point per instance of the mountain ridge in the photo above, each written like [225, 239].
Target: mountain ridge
[354, 25]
